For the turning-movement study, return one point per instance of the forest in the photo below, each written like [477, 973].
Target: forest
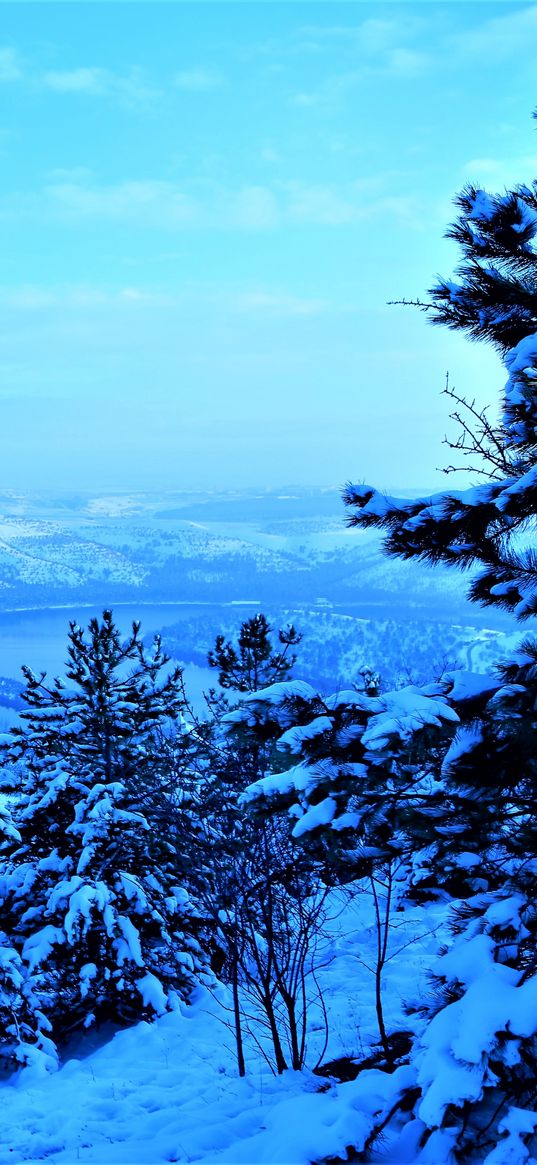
[152, 857]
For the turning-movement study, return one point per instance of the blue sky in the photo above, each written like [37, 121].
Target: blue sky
[204, 210]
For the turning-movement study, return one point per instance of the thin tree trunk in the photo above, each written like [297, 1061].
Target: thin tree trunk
[281, 1063]
[382, 938]
[237, 1017]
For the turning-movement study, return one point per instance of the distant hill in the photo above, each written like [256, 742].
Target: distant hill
[274, 547]
[286, 552]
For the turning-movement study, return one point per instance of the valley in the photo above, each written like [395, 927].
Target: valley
[193, 565]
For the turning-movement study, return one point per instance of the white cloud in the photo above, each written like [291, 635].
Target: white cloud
[373, 35]
[10, 65]
[153, 203]
[253, 208]
[269, 154]
[477, 166]
[93, 80]
[198, 80]
[159, 204]
[130, 88]
[501, 172]
[70, 174]
[322, 205]
[274, 303]
[500, 37]
[35, 298]
[305, 99]
[401, 62]
[398, 63]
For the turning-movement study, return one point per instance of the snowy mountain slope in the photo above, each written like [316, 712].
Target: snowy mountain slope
[44, 553]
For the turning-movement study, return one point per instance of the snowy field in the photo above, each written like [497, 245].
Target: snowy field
[170, 1091]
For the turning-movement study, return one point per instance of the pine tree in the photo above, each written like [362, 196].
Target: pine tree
[356, 772]
[494, 299]
[90, 902]
[254, 662]
[475, 1066]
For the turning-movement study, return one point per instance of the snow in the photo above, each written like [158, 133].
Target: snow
[466, 740]
[523, 357]
[452, 1063]
[37, 948]
[468, 685]
[169, 1091]
[512, 1150]
[506, 913]
[128, 948]
[404, 712]
[466, 860]
[468, 959]
[527, 481]
[82, 903]
[320, 814]
[152, 992]
[133, 891]
[286, 690]
[302, 777]
[295, 737]
[87, 973]
[482, 207]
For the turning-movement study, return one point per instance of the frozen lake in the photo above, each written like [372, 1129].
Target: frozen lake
[38, 638]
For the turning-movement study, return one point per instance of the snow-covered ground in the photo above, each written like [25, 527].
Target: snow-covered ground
[170, 1091]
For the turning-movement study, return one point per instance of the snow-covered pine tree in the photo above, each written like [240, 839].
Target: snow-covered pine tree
[101, 929]
[494, 298]
[357, 771]
[254, 661]
[476, 1063]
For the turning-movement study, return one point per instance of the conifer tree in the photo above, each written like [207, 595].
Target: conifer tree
[91, 907]
[466, 804]
[356, 769]
[254, 662]
[493, 298]
[475, 1065]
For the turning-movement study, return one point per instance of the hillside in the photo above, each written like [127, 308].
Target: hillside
[193, 566]
[270, 548]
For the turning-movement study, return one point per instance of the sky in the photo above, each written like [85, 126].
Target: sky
[205, 209]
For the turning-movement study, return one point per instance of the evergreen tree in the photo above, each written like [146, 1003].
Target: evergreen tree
[254, 662]
[358, 770]
[377, 774]
[90, 902]
[494, 298]
[475, 1066]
